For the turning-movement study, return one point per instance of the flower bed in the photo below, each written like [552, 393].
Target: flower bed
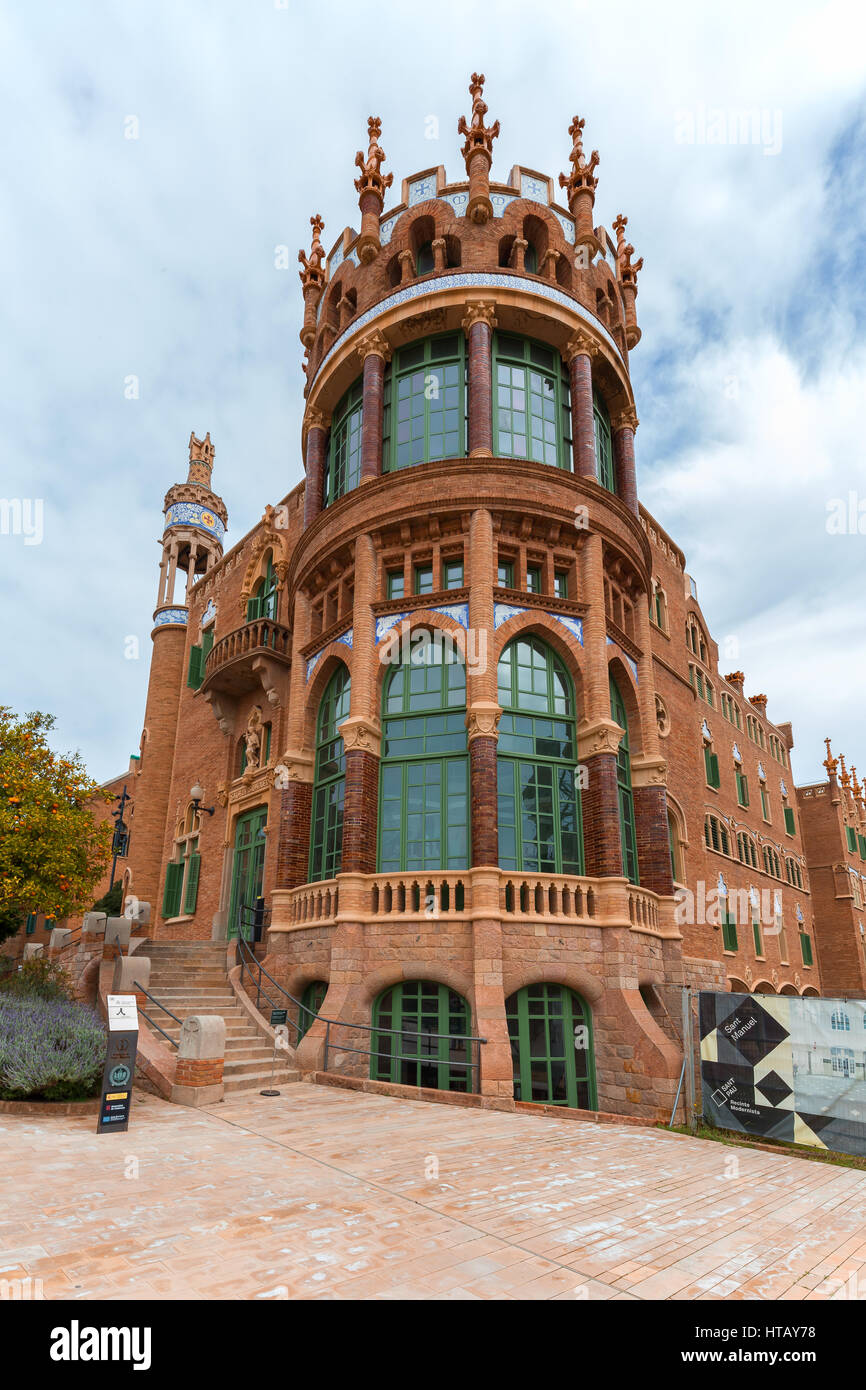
[49, 1050]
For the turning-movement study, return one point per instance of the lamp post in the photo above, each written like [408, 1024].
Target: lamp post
[196, 796]
[120, 838]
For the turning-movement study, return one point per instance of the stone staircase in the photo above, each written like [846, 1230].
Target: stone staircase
[189, 977]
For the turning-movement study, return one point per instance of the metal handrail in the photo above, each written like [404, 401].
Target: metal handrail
[244, 950]
[153, 1023]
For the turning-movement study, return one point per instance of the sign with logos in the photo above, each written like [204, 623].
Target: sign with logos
[278, 1016]
[119, 1071]
[782, 1067]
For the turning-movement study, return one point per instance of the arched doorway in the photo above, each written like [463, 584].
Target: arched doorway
[414, 1055]
[312, 1000]
[550, 1028]
[248, 872]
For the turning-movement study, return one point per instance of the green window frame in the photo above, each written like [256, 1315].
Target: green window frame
[429, 1045]
[533, 579]
[765, 804]
[424, 770]
[531, 402]
[197, 659]
[729, 931]
[171, 897]
[560, 584]
[329, 784]
[790, 825]
[452, 574]
[30, 925]
[604, 466]
[861, 844]
[756, 932]
[742, 788]
[425, 261]
[262, 602]
[396, 584]
[424, 414]
[628, 835]
[505, 574]
[539, 810]
[312, 999]
[423, 580]
[851, 835]
[711, 765]
[193, 873]
[343, 455]
[806, 948]
[546, 1024]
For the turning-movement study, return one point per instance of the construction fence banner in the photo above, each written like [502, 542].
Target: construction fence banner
[781, 1067]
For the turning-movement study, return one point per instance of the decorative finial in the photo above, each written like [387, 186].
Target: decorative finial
[313, 280]
[201, 453]
[830, 762]
[854, 783]
[627, 274]
[845, 779]
[478, 152]
[372, 178]
[580, 185]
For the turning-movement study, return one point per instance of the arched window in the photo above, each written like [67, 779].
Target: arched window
[326, 833]
[550, 1028]
[183, 870]
[262, 603]
[425, 1045]
[343, 459]
[312, 1000]
[424, 259]
[531, 402]
[424, 778]
[539, 797]
[530, 259]
[603, 444]
[424, 415]
[628, 838]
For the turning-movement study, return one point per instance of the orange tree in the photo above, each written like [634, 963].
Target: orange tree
[53, 850]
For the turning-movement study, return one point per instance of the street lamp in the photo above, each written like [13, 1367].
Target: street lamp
[196, 793]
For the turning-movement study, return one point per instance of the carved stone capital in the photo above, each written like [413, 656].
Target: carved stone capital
[373, 344]
[598, 736]
[481, 311]
[580, 344]
[359, 732]
[648, 772]
[294, 766]
[316, 419]
[482, 720]
[625, 419]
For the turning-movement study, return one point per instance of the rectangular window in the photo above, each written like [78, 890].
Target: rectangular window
[711, 763]
[806, 947]
[756, 931]
[31, 924]
[505, 574]
[525, 406]
[790, 827]
[861, 844]
[765, 803]
[396, 584]
[742, 788]
[427, 402]
[192, 876]
[533, 579]
[173, 887]
[852, 837]
[729, 931]
[452, 574]
[195, 672]
[560, 584]
[423, 579]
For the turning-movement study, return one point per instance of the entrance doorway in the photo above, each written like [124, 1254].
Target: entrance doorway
[248, 872]
[550, 1028]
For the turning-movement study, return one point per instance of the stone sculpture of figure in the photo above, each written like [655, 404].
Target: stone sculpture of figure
[478, 136]
[371, 166]
[252, 739]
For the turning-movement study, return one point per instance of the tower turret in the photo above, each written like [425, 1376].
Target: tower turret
[195, 525]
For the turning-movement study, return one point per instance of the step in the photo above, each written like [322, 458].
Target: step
[262, 1081]
[254, 1067]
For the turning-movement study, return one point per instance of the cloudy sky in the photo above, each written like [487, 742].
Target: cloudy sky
[154, 258]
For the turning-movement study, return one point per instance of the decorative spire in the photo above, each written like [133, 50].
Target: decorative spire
[845, 779]
[312, 280]
[830, 762]
[478, 152]
[627, 275]
[854, 783]
[371, 188]
[581, 184]
[201, 454]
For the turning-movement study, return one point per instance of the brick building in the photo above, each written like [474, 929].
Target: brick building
[451, 710]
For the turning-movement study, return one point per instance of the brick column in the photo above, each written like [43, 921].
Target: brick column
[317, 435]
[579, 352]
[360, 807]
[623, 456]
[483, 740]
[361, 732]
[478, 324]
[483, 711]
[294, 773]
[651, 829]
[374, 351]
[198, 1078]
[598, 736]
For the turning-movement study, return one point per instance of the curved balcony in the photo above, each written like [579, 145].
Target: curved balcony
[237, 661]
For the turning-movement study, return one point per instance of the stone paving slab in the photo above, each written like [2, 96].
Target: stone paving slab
[330, 1194]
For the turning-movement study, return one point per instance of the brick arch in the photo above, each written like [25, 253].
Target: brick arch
[621, 672]
[555, 634]
[758, 989]
[333, 657]
[421, 619]
[737, 986]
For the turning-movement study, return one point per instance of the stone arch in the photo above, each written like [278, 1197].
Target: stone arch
[536, 234]
[790, 989]
[810, 992]
[763, 987]
[395, 973]
[517, 974]
[272, 540]
[737, 986]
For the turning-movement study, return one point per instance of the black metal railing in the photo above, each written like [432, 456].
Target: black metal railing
[152, 1021]
[429, 1041]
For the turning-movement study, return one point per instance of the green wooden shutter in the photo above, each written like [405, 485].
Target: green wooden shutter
[806, 947]
[742, 789]
[852, 837]
[759, 945]
[192, 876]
[729, 931]
[861, 839]
[195, 674]
[173, 884]
[31, 924]
[712, 765]
[789, 820]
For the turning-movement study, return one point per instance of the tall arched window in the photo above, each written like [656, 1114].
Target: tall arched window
[326, 832]
[531, 402]
[424, 415]
[424, 777]
[603, 444]
[262, 602]
[539, 797]
[628, 839]
[343, 459]
[408, 1053]
[550, 1028]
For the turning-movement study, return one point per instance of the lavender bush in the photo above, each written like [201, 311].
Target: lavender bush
[49, 1050]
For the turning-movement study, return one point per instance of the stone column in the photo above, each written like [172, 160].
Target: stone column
[579, 352]
[201, 1054]
[483, 711]
[407, 266]
[361, 732]
[317, 435]
[490, 1021]
[623, 454]
[439, 248]
[374, 351]
[478, 324]
[649, 773]
[598, 736]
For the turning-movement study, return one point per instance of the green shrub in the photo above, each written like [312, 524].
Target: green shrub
[49, 1050]
[38, 978]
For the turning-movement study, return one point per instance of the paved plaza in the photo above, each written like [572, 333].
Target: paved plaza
[325, 1193]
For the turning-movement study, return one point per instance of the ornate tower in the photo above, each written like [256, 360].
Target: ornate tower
[195, 524]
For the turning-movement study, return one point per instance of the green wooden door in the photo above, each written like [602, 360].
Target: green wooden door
[550, 1028]
[248, 870]
[417, 1008]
